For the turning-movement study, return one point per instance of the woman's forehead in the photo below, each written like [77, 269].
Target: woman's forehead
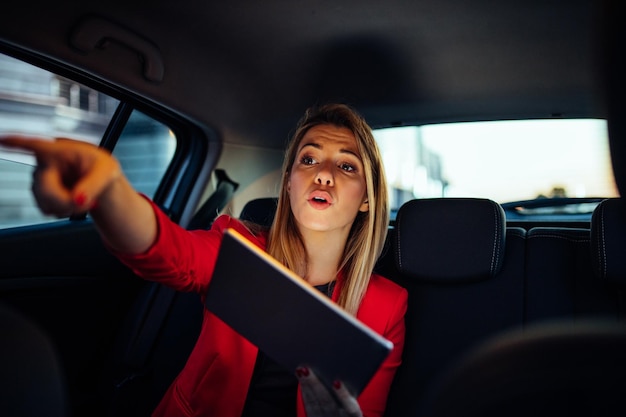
[324, 136]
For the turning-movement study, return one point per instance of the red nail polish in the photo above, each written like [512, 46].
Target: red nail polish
[336, 384]
[79, 199]
[302, 371]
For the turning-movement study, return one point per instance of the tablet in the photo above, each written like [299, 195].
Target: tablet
[290, 321]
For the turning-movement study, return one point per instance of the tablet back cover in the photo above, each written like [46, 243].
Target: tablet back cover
[289, 320]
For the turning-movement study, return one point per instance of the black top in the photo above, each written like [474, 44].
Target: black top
[273, 388]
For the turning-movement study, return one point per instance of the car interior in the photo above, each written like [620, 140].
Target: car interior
[517, 291]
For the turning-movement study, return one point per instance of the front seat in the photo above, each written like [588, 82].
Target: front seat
[32, 383]
[549, 369]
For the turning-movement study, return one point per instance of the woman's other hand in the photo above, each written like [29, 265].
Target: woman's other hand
[319, 402]
[70, 175]
[73, 177]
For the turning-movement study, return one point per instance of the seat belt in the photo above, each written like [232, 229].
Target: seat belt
[224, 191]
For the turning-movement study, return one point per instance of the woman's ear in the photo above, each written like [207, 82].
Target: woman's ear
[365, 207]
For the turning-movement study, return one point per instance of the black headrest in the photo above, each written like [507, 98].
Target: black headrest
[608, 240]
[450, 239]
[260, 211]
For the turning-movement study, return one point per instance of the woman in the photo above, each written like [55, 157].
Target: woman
[330, 228]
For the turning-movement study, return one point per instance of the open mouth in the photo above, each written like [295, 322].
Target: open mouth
[320, 197]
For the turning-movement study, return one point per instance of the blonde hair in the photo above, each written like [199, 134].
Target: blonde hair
[369, 230]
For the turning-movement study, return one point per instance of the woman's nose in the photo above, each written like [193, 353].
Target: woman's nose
[324, 176]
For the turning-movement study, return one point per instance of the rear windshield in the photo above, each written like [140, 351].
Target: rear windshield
[505, 161]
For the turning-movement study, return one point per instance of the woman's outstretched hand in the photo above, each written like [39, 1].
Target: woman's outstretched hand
[73, 177]
[70, 175]
[319, 402]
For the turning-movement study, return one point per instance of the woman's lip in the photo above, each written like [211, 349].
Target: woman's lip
[317, 196]
[319, 204]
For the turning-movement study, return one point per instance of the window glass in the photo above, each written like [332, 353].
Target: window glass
[37, 102]
[505, 161]
[144, 151]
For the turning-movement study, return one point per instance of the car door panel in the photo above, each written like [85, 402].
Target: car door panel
[62, 277]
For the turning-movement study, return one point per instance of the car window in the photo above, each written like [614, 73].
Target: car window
[34, 101]
[505, 161]
[144, 150]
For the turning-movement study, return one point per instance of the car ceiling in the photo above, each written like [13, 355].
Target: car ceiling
[250, 68]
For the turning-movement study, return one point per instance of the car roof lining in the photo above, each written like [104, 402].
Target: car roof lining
[258, 65]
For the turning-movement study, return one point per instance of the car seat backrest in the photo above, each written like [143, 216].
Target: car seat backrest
[608, 233]
[560, 281]
[260, 211]
[464, 273]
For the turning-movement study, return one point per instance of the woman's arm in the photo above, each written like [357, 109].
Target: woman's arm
[73, 177]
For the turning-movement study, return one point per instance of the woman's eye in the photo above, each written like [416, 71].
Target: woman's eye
[307, 160]
[347, 167]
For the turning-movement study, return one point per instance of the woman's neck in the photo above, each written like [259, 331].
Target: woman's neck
[324, 255]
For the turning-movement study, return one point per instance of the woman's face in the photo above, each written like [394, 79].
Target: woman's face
[327, 184]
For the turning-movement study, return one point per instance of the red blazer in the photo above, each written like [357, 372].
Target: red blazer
[215, 379]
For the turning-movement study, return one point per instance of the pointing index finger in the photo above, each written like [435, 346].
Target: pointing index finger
[35, 144]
